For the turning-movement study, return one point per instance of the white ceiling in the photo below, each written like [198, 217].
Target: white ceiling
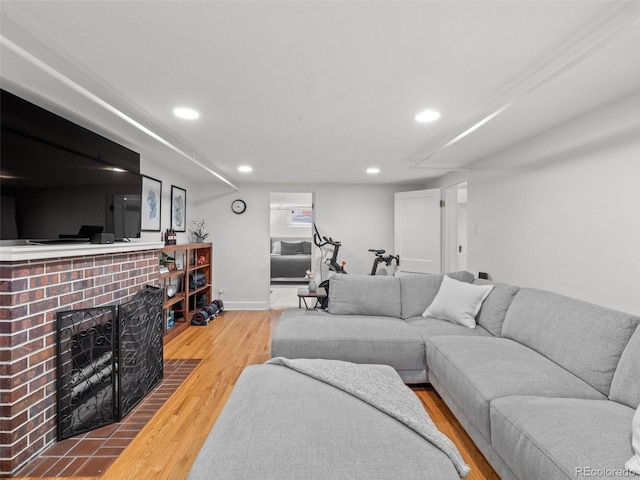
[317, 91]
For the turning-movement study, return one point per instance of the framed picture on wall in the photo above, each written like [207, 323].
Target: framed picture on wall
[151, 204]
[300, 217]
[178, 209]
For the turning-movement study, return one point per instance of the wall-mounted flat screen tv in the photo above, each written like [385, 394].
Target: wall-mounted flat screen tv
[60, 181]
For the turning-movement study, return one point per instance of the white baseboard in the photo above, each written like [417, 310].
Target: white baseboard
[246, 305]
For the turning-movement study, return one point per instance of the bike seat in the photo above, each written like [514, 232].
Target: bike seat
[377, 252]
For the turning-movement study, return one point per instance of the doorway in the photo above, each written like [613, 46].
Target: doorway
[455, 227]
[291, 246]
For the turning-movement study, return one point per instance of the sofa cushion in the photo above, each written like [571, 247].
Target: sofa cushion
[561, 438]
[495, 306]
[625, 387]
[353, 338]
[458, 302]
[430, 326]
[419, 290]
[585, 339]
[280, 425]
[475, 370]
[364, 295]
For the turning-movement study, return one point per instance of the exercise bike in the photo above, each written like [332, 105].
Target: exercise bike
[320, 242]
[336, 267]
[381, 258]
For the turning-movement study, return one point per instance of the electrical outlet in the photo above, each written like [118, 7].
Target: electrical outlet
[222, 291]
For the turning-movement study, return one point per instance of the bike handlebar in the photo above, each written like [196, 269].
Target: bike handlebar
[329, 240]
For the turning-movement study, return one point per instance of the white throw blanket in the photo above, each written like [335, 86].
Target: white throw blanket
[634, 463]
[387, 394]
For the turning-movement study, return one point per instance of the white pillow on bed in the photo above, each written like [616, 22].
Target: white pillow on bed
[458, 302]
[277, 248]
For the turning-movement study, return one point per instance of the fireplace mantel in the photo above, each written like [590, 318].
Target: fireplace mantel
[39, 251]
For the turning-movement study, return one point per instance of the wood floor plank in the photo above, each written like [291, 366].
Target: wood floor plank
[167, 446]
[449, 425]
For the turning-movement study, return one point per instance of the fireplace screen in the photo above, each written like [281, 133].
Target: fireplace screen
[86, 370]
[109, 358]
[140, 365]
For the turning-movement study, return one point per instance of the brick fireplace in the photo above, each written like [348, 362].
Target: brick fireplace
[31, 292]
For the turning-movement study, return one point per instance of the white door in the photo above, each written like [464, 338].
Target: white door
[455, 227]
[462, 236]
[417, 230]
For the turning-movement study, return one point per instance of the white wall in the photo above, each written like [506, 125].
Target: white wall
[359, 216]
[561, 211]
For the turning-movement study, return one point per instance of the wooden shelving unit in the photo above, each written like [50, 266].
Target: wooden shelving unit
[193, 259]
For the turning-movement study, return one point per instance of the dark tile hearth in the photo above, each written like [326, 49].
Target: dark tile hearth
[90, 454]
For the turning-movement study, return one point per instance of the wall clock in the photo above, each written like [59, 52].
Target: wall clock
[238, 206]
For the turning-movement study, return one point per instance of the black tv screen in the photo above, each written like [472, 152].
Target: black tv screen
[56, 177]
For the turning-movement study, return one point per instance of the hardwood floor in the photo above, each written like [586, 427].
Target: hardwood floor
[168, 445]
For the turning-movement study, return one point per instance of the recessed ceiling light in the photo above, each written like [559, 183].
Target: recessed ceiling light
[245, 169]
[427, 116]
[186, 113]
[373, 170]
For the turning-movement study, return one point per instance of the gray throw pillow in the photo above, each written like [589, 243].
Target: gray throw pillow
[288, 248]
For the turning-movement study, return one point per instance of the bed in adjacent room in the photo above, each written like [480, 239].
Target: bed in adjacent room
[290, 258]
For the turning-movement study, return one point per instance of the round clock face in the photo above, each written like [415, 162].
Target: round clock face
[238, 206]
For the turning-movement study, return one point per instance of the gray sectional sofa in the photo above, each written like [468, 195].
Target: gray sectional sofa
[545, 385]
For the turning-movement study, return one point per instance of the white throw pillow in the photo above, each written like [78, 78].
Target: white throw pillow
[458, 302]
[634, 462]
[277, 248]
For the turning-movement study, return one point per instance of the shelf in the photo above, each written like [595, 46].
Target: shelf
[184, 300]
[178, 297]
[186, 246]
[172, 274]
[198, 267]
[199, 289]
